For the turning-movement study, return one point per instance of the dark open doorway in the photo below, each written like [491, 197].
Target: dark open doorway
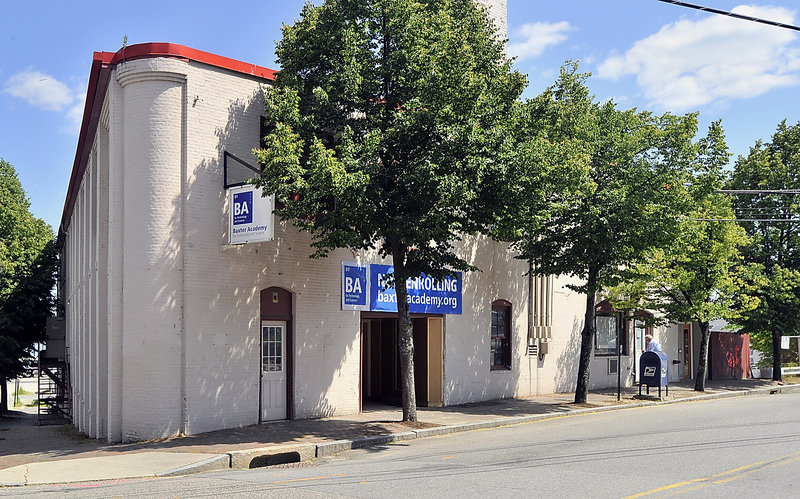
[380, 361]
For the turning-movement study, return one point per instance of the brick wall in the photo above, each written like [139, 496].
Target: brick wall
[177, 330]
[498, 9]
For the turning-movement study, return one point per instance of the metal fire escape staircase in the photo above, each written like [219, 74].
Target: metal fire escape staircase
[54, 391]
[55, 396]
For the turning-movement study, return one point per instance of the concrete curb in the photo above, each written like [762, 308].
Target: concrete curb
[13, 484]
[330, 448]
[216, 463]
[268, 456]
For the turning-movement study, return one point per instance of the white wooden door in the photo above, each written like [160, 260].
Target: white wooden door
[640, 329]
[273, 370]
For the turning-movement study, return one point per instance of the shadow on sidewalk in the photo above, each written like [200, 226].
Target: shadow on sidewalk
[22, 441]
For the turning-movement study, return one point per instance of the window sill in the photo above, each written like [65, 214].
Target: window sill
[500, 368]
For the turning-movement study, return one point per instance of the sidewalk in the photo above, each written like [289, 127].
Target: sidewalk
[31, 454]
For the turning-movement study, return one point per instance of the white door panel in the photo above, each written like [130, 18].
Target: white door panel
[273, 370]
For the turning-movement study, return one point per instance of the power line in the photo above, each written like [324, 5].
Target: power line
[743, 191]
[744, 219]
[757, 191]
[764, 210]
[731, 14]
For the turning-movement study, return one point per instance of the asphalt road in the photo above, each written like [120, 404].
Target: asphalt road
[735, 447]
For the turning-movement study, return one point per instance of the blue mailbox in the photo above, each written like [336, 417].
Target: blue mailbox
[654, 371]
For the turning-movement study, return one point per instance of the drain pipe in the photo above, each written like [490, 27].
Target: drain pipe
[530, 328]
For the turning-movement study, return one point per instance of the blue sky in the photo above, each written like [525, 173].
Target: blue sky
[642, 53]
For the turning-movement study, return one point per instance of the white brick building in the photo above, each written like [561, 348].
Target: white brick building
[498, 10]
[170, 329]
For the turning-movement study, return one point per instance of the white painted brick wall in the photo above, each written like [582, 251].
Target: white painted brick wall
[152, 322]
[498, 9]
[182, 323]
[173, 219]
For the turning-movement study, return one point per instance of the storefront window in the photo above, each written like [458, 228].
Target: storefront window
[606, 337]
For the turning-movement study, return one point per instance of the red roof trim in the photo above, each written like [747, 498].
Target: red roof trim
[102, 64]
[157, 49]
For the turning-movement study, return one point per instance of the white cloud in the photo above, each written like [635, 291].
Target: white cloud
[75, 115]
[691, 63]
[40, 90]
[45, 92]
[536, 37]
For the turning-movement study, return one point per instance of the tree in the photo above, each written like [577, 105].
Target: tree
[777, 313]
[385, 120]
[27, 266]
[698, 278]
[772, 166]
[547, 170]
[636, 164]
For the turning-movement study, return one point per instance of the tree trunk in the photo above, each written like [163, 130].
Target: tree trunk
[405, 339]
[777, 359]
[587, 340]
[702, 367]
[3, 396]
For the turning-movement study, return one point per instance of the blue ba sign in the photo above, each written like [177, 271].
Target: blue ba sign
[243, 208]
[355, 286]
[426, 295]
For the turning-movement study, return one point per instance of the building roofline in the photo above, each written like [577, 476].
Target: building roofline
[102, 65]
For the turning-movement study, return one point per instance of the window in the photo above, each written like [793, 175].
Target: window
[605, 341]
[500, 338]
[272, 348]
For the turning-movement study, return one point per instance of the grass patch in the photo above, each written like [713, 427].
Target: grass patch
[19, 392]
[71, 432]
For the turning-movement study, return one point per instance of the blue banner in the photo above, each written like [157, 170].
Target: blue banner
[426, 295]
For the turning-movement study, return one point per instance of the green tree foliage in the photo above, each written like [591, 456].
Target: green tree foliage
[698, 276]
[628, 201]
[777, 313]
[386, 121]
[548, 169]
[776, 244]
[27, 266]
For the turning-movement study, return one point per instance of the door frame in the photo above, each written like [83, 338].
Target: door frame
[284, 370]
[434, 359]
[638, 346]
[277, 304]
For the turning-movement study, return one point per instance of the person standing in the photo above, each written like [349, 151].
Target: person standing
[651, 345]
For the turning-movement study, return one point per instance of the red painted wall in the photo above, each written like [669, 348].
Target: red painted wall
[730, 356]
